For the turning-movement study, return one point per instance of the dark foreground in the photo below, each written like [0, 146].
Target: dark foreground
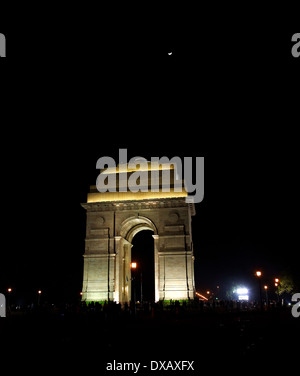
[216, 341]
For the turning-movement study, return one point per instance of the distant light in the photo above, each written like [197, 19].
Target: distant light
[265, 287]
[242, 291]
[276, 280]
[201, 296]
[276, 284]
[243, 297]
[9, 289]
[258, 274]
[170, 53]
[40, 291]
[207, 292]
[80, 293]
[133, 265]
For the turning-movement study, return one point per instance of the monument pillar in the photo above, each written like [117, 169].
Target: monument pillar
[156, 267]
[118, 268]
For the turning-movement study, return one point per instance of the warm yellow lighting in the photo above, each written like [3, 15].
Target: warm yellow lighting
[265, 287]
[133, 265]
[276, 284]
[140, 166]
[80, 293]
[129, 196]
[144, 192]
[207, 292]
[39, 292]
[258, 274]
[276, 280]
[9, 290]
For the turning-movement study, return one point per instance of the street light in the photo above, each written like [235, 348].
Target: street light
[134, 266]
[266, 290]
[39, 296]
[258, 274]
[9, 290]
[277, 285]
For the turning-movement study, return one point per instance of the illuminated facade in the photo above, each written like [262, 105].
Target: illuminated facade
[113, 219]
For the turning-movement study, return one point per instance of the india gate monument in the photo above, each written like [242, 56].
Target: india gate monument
[112, 221]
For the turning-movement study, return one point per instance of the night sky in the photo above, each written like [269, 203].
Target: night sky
[83, 87]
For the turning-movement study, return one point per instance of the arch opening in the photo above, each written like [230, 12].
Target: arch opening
[142, 277]
[137, 246]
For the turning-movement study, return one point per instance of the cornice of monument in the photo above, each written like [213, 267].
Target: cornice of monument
[135, 204]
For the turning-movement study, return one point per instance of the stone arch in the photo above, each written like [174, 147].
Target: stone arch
[128, 229]
[107, 258]
[132, 225]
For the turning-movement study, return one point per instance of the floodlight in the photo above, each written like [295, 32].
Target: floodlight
[243, 297]
[242, 291]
